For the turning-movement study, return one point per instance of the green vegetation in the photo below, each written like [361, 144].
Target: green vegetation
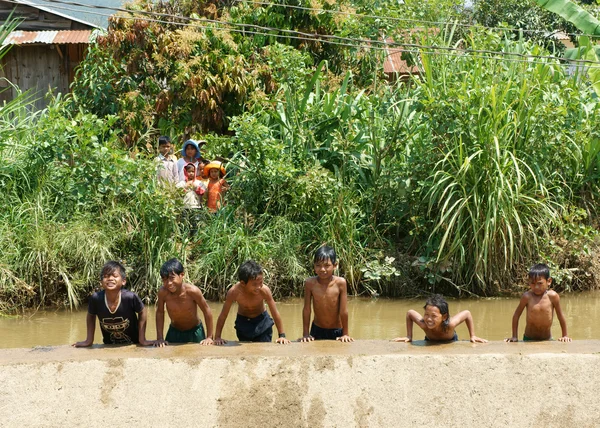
[454, 181]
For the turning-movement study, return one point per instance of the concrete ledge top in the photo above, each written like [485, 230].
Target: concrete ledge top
[236, 350]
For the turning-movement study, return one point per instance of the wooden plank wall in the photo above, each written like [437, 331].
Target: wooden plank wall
[41, 68]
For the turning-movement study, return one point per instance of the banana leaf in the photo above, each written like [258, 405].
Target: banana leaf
[575, 14]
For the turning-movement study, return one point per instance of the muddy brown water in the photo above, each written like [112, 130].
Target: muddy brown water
[368, 319]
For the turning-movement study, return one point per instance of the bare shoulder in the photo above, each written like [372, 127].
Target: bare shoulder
[526, 296]
[309, 283]
[162, 292]
[553, 296]
[193, 291]
[265, 291]
[340, 282]
[233, 292]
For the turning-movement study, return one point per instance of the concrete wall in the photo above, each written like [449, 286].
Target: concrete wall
[368, 383]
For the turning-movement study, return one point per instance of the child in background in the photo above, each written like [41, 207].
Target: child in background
[190, 153]
[167, 166]
[541, 304]
[329, 298]
[437, 323]
[182, 301]
[215, 184]
[121, 313]
[192, 198]
[253, 323]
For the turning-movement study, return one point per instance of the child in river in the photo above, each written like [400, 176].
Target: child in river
[541, 304]
[253, 323]
[120, 312]
[182, 301]
[437, 323]
[328, 295]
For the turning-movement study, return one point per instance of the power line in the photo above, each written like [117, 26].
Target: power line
[367, 44]
[393, 18]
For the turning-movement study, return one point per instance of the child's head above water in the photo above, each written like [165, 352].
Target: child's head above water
[325, 253]
[539, 270]
[436, 312]
[112, 267]
[249, 270]
[171, 266]
[539, 278]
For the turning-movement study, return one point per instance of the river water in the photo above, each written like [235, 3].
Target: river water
[368, 319]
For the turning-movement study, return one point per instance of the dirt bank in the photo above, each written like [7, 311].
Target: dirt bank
[368, 383]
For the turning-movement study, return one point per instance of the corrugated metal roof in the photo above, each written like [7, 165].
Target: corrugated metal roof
[48, 37]
[394, 62]
[83, 12]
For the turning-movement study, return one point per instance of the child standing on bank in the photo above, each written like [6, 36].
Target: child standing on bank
[192, 198]
[437, 323]
[190, 153]
[329, 297]
[215, 184]
[167, 165]
[253, 323]
[182, 301]
[120, 312]
[541, 304]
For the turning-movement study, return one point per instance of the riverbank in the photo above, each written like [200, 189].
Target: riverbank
[366, 383]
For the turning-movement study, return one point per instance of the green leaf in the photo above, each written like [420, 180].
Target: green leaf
[573, 13]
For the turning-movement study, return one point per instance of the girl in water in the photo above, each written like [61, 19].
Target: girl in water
[437, 323]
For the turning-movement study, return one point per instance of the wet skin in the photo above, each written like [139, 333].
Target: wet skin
[329, 297]
[431, 323]
[541, 304]
[251, 297]
[182, 301]
[112, 283]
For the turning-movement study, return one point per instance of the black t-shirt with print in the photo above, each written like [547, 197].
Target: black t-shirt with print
[121, 326]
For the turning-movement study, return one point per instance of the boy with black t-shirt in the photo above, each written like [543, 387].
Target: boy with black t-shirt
[121, 313]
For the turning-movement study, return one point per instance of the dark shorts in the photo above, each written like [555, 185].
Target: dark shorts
[325, 333]
[454, 339]
[528, 339]
[195, 335]
[259, 329]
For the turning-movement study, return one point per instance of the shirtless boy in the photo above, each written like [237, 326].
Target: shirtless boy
[329, 297]
[253, 323]
[541, 304]
[183, 301]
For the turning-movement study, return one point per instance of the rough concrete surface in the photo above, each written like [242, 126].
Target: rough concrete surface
[366, 383]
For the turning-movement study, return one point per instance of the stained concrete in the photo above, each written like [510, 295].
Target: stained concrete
[322, 384]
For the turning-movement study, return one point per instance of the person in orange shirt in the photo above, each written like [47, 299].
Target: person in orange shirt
[215, 184]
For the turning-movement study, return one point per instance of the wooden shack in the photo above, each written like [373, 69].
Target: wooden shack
[48, 45]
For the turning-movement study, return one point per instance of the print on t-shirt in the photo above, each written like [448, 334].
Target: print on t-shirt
[117, 327]
[121, 325]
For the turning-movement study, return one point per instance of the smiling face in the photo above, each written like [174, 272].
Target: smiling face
[539, 285]
[112, 281]
[433, 318]
[173, 282]
[253, 286]
[324, 268]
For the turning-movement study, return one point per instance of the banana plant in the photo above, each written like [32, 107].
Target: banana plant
[589, 25]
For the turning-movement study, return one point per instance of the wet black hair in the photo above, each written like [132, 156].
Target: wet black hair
[171, 266]
[110, 267]
[249, 270]
[539, 270]
[325, 253]
[439, 302]
[163, 139]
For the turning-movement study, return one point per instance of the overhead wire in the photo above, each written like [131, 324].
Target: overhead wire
[366, 43]
[414, 20]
